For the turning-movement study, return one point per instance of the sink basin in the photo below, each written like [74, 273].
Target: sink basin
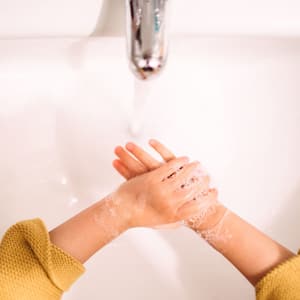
[232, 103]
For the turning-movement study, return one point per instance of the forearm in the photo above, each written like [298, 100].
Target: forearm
[249, 250]
[148, 200]
[253, 253]
[90, 230]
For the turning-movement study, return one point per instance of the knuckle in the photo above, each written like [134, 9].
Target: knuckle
[206, 179]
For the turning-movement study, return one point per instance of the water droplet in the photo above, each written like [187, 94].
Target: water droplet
[63, 181]
[73, 201]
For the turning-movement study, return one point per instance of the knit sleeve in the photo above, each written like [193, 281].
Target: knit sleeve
[282, 283]
[31, 267]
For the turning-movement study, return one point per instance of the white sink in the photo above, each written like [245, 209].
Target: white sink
[231, 103]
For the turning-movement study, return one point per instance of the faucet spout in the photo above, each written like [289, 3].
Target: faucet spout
[146, 36]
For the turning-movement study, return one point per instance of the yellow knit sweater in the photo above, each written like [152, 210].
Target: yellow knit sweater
[32, 268]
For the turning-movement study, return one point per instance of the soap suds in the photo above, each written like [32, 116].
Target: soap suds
[107, 209]
[217, 233]
[206, 209]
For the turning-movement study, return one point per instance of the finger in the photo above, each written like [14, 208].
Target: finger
[206, 197]
[205, 181]
[169, 226]
[163, 151]
[183, 177]
[191, 175]
[190, 195]
[188, 211]
[129, 162]
[122, 170]
[214, 194]
[205, 201]
[196, 179]
[146, 159]
[171, 167]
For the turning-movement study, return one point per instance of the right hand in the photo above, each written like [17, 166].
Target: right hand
[140, 162]
[165, 195]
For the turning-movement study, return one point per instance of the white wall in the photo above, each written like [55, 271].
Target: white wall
[35, 18]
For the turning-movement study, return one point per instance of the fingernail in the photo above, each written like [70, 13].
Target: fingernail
[129, 146]
[117, 149]
[197, 163]
[152, 141]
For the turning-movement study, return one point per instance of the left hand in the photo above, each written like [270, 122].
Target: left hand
[134, 161]
[164, 195]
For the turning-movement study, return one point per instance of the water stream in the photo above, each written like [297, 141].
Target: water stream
[141, 102]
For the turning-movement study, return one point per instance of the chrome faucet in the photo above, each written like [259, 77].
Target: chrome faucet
[146, 36]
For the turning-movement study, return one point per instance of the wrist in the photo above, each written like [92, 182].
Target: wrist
[131, 207]
[210, 220]
[120, 208]
[111, 215]
[214, 219]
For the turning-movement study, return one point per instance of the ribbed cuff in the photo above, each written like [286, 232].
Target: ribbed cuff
[62, 269]
[283, 282]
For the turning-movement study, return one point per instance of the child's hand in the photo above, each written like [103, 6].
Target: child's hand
[140, 162]
[165, 195]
